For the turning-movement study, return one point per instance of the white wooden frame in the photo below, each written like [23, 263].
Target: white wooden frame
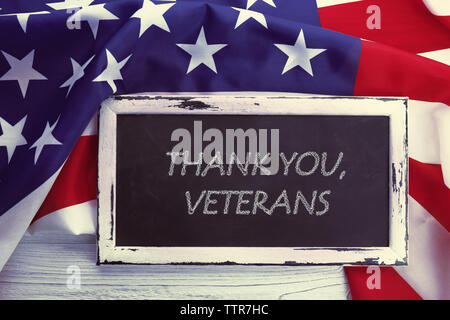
[395, 108]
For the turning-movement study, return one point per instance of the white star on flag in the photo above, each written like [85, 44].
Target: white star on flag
[244, 15]
[78, 73]
[69, 4]
[252, 2]
[201, 52]
[21, 71]
[23, 17]
[299, 54]
[112, 70]
[12, 136]
[46, 139]
[152, 14]
[93, 15]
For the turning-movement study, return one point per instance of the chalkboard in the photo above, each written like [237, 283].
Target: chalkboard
[220, 173]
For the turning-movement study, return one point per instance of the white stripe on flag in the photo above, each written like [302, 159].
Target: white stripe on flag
[429, 255]
[327, 3]
[443, 125]
[442, 56]
[15, 221]
[429, 134]
[77, 219]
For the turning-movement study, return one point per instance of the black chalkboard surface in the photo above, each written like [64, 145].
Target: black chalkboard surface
[253, 180]
[152, 207]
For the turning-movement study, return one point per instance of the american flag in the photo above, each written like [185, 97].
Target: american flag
[60, 60]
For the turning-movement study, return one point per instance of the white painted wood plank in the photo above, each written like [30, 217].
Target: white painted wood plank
[37, 270]
[60, 237]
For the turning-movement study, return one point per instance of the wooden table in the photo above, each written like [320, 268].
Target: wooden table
[38, 269]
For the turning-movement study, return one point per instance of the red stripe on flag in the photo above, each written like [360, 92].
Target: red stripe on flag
[405, 24]
[387, 71]
[77, 181]
[392, 285]
[445, 20]
[426, 186]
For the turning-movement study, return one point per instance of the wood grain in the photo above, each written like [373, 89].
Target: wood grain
[38, 270]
